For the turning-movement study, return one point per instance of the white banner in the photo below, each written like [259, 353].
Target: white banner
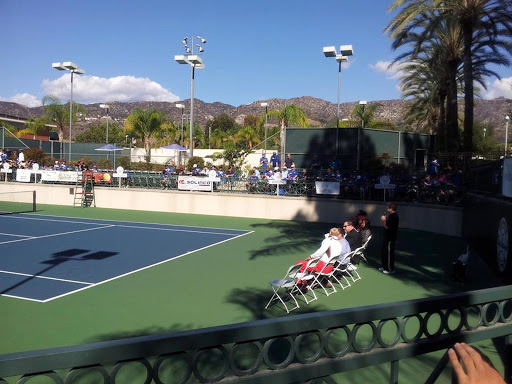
[506, 188]
[195, 183]
[327, 187]
[23, 175]
[63, 176]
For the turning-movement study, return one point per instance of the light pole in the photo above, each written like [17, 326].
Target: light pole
[342, 57]
[362, 103]
[195, 61]
[181, 107]
[266, 129]
[507, 119]
[105, 107]
[73, 68]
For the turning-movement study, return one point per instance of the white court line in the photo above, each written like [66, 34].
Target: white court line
[12, 234]
[46, 277]
[29, 216]
[143, 268]
[175, 230]
[56, 234]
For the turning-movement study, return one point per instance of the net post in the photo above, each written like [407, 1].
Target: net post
[33, 201]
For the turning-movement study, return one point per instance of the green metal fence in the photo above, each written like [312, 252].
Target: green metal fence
[284, 350]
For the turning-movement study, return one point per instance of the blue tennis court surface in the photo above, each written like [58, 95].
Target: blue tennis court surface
[43, 258]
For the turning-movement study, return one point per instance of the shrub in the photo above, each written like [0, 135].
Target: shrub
[196, 160]
[37, 155]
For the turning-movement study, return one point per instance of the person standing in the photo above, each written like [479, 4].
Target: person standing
[388, 244]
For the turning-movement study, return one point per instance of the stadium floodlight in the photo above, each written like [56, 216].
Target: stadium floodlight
[73, 68]
[195, 61]
[330, 51]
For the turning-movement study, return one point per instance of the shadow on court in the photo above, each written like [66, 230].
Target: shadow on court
[58, 258]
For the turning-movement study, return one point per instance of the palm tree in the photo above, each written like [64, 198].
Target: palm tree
[33, 127]
[145, 124]
[485, 27]
[247, 137]
[291, 115]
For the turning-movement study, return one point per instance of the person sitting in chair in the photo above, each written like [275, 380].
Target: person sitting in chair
[330, 247]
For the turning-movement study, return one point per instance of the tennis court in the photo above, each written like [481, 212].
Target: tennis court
[44, 258]
[221, 277]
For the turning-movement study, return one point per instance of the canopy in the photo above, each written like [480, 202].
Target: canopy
[176, 147]
[109, 147]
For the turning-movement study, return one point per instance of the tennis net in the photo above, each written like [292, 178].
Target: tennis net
[17, 202]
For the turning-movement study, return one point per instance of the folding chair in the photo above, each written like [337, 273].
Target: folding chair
[305, 276]
[323, 274]
[360, 251]
[287, 285]
[351, 269]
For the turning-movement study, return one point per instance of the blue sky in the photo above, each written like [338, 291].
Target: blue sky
[255, 50]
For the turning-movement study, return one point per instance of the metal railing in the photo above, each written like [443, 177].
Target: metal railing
[300, 348]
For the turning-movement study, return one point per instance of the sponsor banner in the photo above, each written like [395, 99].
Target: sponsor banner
[327, 187]
[195, 183]
[49, 175]
[507, 178]
[23, 175]
[62, 176]
[68, 176]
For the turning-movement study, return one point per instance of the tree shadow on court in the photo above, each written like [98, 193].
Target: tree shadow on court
[59, 258]
[290, 235]
[255, 300]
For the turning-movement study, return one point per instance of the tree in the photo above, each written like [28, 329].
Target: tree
[291, 115]
[247, 137]
[98, 134]
[486, 29]
[144, 125]
[33, 127]
[58, 114]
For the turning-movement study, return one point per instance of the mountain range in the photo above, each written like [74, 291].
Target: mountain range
[319, 111]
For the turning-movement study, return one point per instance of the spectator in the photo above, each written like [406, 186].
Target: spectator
[21, 157]
[263, 162]
[275, 160]
[288, 162]
[330, 247]
[335, 163]
[353, 237]
[284, 173]
[196, 171]
[365, 229]
[293, 174]
[433, 168]
[316, 164]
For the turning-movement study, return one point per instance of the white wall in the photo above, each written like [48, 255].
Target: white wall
[445, 220]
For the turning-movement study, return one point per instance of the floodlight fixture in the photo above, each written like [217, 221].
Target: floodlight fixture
[202, 40]
[346, 50]
[330, 51]
[341, 59]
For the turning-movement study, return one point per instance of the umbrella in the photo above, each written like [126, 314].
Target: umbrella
[110, 148]
[176, 147]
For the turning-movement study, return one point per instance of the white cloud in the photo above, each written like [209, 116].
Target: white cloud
[392, 71]
[498, 88]
[23, 99]
[94, 89]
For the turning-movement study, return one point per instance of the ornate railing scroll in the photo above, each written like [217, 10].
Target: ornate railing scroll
[299, 348]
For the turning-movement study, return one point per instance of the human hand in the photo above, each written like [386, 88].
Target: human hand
[478, 370]
[383, 217]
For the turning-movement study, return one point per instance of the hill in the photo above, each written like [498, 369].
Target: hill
[319, 111]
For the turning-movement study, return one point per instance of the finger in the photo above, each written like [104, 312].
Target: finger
[454, 360]
[462, 351]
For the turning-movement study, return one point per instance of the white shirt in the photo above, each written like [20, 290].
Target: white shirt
[345, 248]
[330, 247]
[21, 157]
